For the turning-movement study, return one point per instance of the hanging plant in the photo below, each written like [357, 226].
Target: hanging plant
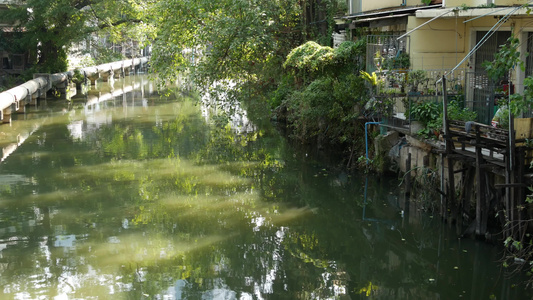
[504, 60]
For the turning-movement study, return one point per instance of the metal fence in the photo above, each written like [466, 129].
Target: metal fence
[473, 90]
[387, 55]
[485, 96]
[387, 52]
[404, 91]
[481, 96]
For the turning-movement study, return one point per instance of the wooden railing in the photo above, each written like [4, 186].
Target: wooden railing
[493, 141]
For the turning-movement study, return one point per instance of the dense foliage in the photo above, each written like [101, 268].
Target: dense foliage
[221, 41]
[236, 49]
[227, 47]
[47, 29]
[323, 94]
[237, 40]
[231, 49]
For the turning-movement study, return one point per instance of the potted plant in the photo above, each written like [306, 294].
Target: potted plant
[414, 79]
[424, 117]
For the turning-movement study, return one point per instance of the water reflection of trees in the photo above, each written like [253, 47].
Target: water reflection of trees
[164, 204]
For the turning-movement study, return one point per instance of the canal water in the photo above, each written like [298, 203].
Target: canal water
[126, 194]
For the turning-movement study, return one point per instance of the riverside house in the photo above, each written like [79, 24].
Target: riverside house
[452, 37]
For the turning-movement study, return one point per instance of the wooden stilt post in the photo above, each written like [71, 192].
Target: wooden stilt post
[485, 205]
[480, 195]
[408, 176]
[407, 194]
[509, 174]
[465, 186]
[507, 198]
[442, 186]
[449, 149]
[451, 187]
[520, 193]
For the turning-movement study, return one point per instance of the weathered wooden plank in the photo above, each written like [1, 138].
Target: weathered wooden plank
[408, 176]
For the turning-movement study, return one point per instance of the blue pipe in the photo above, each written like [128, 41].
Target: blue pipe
[366, 136]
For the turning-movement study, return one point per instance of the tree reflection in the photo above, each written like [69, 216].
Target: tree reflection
[160, 203]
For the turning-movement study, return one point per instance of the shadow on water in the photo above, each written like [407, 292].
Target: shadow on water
[138, 196]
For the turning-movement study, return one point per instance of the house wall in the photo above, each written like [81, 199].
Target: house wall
[444, 42]
[469, 3]
[510, 2]
[522, 27]
[359, 6]
[444, 50]
[478, 3]
[373, 5]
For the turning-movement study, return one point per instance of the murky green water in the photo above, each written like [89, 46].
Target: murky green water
[138, 197]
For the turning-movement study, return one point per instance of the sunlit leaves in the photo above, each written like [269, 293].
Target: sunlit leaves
[234, 39]
[310, 56]
[51, 26]
[311, 60]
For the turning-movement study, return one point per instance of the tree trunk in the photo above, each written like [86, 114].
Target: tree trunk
[51, 58]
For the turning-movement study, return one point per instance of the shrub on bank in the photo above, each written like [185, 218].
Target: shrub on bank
[322, 94]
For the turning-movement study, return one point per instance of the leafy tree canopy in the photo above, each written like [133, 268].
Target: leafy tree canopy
[237, 40]
[231, 39]
[48, 28]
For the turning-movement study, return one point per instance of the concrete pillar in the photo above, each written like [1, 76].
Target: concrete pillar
[94, 77]
[118, 73]
[106, 74]
[14, 107]
[63, 89]
[34, 98]
[27, 100]
[6, 115]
